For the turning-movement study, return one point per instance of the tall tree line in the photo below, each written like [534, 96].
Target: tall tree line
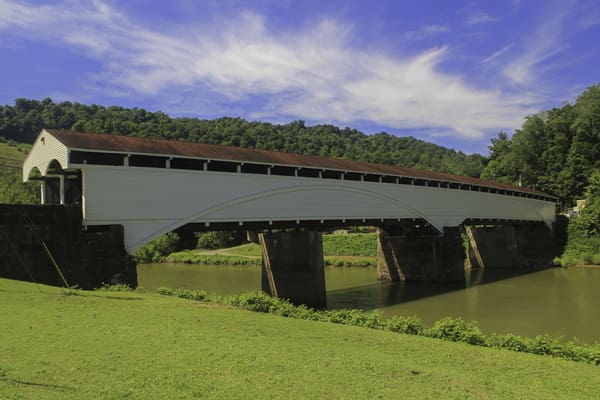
[23, 121]
[555, 151]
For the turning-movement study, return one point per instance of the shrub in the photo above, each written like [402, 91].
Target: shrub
[408, 325]
[354, 317]
[456, 330]
[218, 239]
[509, 342]
[121, 287]
[259, 302]
[157, 249]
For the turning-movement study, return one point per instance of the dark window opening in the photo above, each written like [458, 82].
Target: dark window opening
[353, 176]
[372, 178]
[329, 174]
[420, 182]
[187, 163]
[405, 181]
[147, 161]
[88, 157]
[389, 179]
[308, 172]
[222, 166]
[284, 171]
[255, 169]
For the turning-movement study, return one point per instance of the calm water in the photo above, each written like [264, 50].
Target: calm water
[560, 302]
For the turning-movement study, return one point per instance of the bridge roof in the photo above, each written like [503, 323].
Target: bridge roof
[172, 148]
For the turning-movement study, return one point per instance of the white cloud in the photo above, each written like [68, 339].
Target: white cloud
[496, 54]
[311, 74]
[544, 43]
[479, 17]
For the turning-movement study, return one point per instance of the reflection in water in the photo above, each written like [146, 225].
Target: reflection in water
[556, 301]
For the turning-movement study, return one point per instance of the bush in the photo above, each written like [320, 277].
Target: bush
[121, 287]
[219, 240]
[456, 330]
[509, 342]
[158, 249]
[354, 317]
[408, 325]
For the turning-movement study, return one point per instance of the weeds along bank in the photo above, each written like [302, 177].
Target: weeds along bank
[451, 329]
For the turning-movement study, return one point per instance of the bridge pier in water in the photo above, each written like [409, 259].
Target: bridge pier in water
[511, 246]
[293, 267]
[421, 257]
[443, 258]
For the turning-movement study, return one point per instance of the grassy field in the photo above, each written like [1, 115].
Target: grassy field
[113, 345]
[353, 250]
[12, 155]
[12, 189]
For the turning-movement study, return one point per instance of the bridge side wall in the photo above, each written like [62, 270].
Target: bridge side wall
[86, 259]
[151, 201]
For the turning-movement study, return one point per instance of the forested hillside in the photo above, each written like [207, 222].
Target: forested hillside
[554, 151]
[23, 121]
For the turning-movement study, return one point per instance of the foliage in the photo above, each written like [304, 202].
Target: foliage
[408, 325]
[251, 253]
[450, 329]
[12, 188]
[120, 287]
[583, 243]
[191, 257]
[355, 244]
[555, 151]
[158, 249]
[219, 239]
[456, 330]
[23, 121]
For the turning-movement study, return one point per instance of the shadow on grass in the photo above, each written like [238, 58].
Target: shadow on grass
[115, 297]
[19, 382]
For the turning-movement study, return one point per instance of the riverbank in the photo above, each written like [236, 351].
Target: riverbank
[105, 345]
[342, 250]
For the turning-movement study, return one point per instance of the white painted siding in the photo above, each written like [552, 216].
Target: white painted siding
[45, 149]
[150, 201]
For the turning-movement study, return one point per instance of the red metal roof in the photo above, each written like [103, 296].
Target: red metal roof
[132, 144]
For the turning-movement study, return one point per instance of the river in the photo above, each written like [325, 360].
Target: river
[559, 302]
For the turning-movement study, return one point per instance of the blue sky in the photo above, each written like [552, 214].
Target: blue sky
[451, 72]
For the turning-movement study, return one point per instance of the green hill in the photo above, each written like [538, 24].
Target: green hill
[12, 189]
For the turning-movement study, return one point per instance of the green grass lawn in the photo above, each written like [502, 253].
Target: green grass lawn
[117, 345]
[339, 250]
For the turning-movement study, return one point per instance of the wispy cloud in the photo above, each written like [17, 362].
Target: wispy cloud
[312, 74]
[496, 54]
[479, 17]
[545, 42]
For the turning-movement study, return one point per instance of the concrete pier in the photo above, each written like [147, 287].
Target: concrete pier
[510, 246]
[421, 258]
[293, 267]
